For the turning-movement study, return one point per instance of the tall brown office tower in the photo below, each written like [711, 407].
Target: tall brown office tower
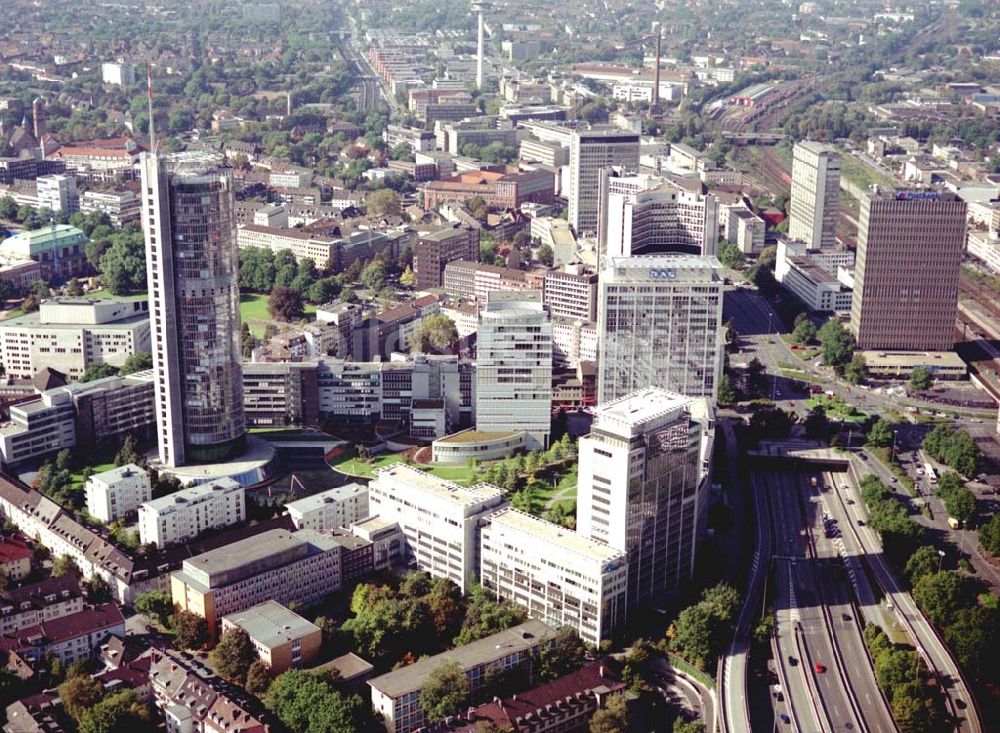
[909, 256]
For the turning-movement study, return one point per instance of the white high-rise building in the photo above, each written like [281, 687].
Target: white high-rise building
[118, 73]
[187, 513]
[555, 574]
[514, 366]
[440, 520]
[659, 324]
[590, 152]
[192, 266]
[57, 192]
[815, 194]
[645, 214]
[644, 484]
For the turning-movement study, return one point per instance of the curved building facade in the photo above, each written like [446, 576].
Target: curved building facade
[192, 266]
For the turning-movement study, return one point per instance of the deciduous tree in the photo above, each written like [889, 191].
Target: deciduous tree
[445, 691]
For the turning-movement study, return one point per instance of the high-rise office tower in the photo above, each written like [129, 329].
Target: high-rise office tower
[645, 214]
[907, 268]
[659, 322]
[192, 266]
[590, 152]
[815, 194]
[514, 365]
[644, 484]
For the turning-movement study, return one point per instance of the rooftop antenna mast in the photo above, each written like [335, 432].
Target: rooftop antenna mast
[149, 98]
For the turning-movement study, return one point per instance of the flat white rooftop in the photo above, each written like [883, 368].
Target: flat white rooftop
[437, 487]
[317, 501]
[567, 541]
[271, 624]
[643, 409]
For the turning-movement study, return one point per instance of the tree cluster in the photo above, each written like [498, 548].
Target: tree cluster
[262, 271]
[701, 631]
[419, 616]
[959, 502]
[306, 703]
[836, 344]
[945, 596]
[889, 517]
[904, 678]
[954, 448]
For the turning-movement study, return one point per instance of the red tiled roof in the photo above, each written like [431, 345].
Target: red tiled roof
[13, 550]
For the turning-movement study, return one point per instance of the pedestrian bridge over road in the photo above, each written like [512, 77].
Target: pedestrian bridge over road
[809, 452]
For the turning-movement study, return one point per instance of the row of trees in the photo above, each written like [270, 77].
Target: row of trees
[947, 597]
[959, 502]
[954, 448]
[700, 633]
[904, 678]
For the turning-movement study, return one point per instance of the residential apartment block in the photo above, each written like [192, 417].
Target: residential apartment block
[288, 567]
[66, 638]
[187, 513]
[440, 519]
[117, 492]
[396, 695]
[69, 334]
[331, 509]
[660, 323]
[557, 575]
[644, 484]
[35, 603]
[302, 244]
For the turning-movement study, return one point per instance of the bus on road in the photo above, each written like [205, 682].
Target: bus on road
[931, 473]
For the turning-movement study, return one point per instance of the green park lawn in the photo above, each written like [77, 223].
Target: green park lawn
[837, 408]
[459, 473]
[253, 312]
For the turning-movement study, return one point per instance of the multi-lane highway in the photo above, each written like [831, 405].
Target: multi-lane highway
[734, 713]
[829, 684]
[861, 539]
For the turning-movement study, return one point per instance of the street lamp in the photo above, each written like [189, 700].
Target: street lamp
[892, 456]
[940, 559]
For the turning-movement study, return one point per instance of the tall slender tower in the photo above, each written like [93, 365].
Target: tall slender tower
[38, 115]
[644, 484]
[656, 72]
[192, 266]
[480, 8]
[815, 194]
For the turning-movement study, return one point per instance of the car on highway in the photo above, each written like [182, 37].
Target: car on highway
[784, 719]
[820, 668]
[792, 660]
